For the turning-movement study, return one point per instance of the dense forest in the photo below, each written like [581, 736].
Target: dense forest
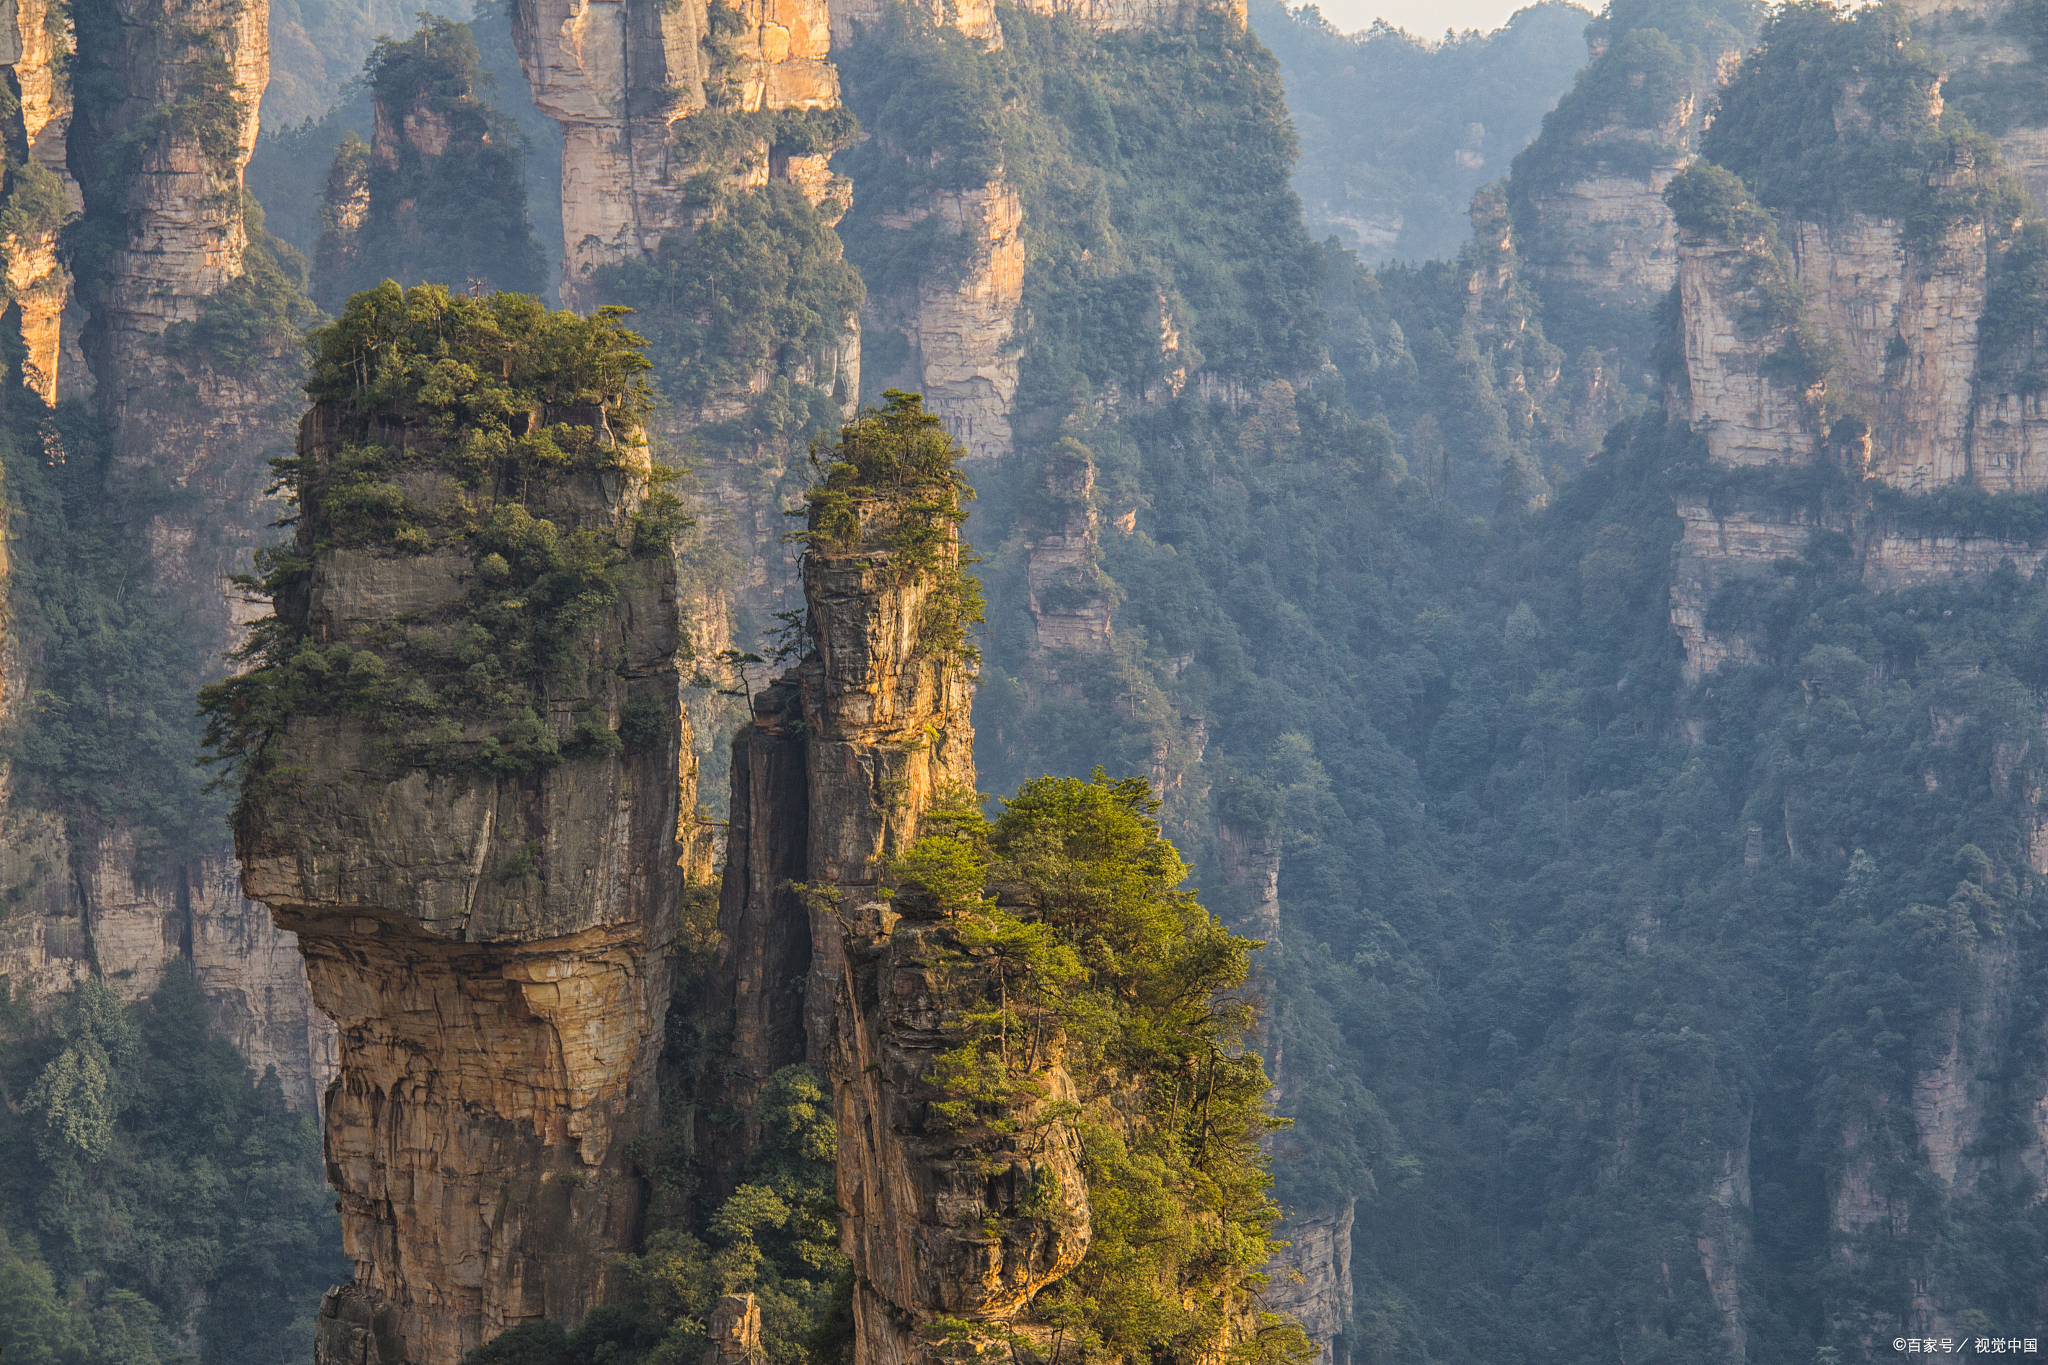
[1375, 799]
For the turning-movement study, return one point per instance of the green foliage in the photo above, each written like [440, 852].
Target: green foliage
[2009, 333]
[258, 318]
[1398, 133]
[316, 55]
[149, 1181]
[1834, 113]
[455, 215]
[36, 205]
[424, 383]
[1655, 61]
[775, 1236]
[1068, 904]
[893, 481]
[760, 287]
[1709, 199]
[108, 730]
[1712, 200]
[1152, 166]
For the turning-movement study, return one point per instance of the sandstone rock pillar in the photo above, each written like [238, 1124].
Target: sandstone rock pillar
[493, 946]
[619, 75]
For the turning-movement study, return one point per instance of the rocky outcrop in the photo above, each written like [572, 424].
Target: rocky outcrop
[1884, 335]
[1607, 238]
[494, 950]
[1904, 330]
[159, 146]
[831, 781]
[941, 1222]
[962, 328]
[1070, 599]
[619, 76]
[1746, 416]
[1310, 1280]
[1724, 1247]
[179, 195]
[34, 44]
[1715, 547]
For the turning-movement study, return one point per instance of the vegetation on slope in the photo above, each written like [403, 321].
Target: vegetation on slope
[1834, 112]
[1099, 958]
[156, 1207]
[455, 215]
[1153, 171]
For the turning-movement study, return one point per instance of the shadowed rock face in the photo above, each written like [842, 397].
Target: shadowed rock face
[186, 484]
[494, 951]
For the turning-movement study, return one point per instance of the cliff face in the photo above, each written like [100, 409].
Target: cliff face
[158, 147]
[1897, 329]
[890, 733]
[34, 42]
[618, 77]
[845, 755]
[492, 948]
[1599, 242]
[960, 331]
[1311, 1278]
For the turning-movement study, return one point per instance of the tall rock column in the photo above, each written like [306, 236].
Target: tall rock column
[34, 42]
[155, 115]
[483, 877]
[845, 757]
[620, 75]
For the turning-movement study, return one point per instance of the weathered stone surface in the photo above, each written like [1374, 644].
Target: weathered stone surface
[182, 203]
[1714, 548]
[1070, 603]
[1903, 559]
[37, 283]
[845, 754]
[614, 75]
[960, 332]
[1746, 418]
[494, 952]
[937, 1221]
[617, 75]
[735, 1331]
[1607, 237]
[1311, 1276]
[1905, 332]
[1724, 1247]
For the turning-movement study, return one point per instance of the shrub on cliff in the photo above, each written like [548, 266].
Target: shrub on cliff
[894, 475]
[761, 287]
[454, 395]
[1100, 963]
[1834, 113]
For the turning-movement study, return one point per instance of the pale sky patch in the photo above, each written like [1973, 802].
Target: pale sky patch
[1423, 18]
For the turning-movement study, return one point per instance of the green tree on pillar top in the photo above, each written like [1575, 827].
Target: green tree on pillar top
[439, 195]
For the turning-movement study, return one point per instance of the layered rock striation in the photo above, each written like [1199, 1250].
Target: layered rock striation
[621, 77]
[845, 756]
[157, 144]
[487, 918]
[1597, 239]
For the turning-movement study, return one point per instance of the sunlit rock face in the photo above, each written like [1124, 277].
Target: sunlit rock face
[494, 952]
